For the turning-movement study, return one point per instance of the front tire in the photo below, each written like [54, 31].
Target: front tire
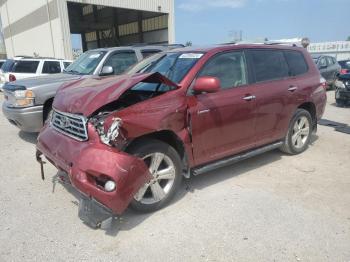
[299, 133]
[166, 168]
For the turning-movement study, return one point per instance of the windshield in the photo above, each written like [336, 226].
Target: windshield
[174, 66]
[7, 66]
[86, 63]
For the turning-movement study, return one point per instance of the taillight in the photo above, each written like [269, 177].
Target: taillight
[344, 71]
[323, 83]
[12, 78]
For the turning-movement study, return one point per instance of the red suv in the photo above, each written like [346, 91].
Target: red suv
[130, 139]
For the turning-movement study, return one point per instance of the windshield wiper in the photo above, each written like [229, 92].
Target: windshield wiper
[73, 72]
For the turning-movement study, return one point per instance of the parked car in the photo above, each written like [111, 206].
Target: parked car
[342, 91]
[25, 67]
[329, 68]
[129, 140]
[28, 101]
[345, 67]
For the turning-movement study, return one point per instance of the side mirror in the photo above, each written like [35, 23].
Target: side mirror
[106, 70]
[207, 84]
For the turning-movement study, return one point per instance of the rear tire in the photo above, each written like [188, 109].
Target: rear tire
[166, 168]
[299, 133]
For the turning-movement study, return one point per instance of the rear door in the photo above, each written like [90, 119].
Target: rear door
[275, 93]
[51, 67]
[222, 123]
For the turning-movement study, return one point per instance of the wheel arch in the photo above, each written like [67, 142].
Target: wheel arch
[169, 137]
[311, 108]
[47, 107]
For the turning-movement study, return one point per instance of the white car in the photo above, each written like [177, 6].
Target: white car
[25, 67]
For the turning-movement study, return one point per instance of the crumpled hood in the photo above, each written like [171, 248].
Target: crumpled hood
[85, 96]
[46, 79]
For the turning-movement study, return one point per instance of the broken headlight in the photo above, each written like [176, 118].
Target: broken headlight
[108, 136]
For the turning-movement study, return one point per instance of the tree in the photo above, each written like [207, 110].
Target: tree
[188, 43]
[348, 38]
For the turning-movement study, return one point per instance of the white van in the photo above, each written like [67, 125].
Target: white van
[25, 67]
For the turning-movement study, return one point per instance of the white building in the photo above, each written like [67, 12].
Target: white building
[339, 49]
[44, 27]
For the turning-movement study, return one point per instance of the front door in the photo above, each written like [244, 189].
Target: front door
[222, 123]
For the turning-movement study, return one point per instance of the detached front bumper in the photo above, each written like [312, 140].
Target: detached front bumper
[28, 119]
[90, 163]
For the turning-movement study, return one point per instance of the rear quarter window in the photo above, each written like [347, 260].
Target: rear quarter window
[296, 63]
[23, 66]
[268, 65]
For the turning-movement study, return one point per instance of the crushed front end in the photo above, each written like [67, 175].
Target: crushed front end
[107, 177]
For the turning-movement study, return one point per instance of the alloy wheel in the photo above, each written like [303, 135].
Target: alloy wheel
[301, 132]
[163, 174]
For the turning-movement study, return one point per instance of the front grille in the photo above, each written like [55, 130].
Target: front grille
[71, 125]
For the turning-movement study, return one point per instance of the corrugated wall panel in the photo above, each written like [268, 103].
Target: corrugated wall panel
[145, 5]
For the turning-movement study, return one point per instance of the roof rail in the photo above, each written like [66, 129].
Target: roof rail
[280, 43]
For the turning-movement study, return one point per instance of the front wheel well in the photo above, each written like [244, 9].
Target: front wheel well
[166, 136]
[47, 108]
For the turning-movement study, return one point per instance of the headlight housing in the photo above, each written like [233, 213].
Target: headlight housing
[24, 98]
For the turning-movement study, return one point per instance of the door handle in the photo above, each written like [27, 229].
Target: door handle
[292, 88]
[203, 111]
[249, 98]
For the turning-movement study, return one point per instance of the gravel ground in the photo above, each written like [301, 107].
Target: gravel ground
[269, 208]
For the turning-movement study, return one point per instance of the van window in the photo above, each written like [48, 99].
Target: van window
[51, 67]
[8, 65]
[330, 60]
[268, 65]
[229, 68]
[296, 63]
[25, 66]
[121, 61]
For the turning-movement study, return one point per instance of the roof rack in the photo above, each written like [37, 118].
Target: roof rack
[280, 43]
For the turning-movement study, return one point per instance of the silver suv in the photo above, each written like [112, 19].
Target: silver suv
[28, 102]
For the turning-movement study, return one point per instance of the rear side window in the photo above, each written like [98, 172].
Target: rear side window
[121, 61]
[296, 63]
[268, 65]
[8, 65]
[51, 67]
[229, 68]
[24, 66]
[147, 53]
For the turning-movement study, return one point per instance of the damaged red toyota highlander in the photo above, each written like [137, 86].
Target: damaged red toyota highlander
[129, 140]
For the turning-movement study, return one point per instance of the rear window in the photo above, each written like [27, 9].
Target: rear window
[66, 64]
[8, 65]
[296, 63]
[343, 64]
[147, 53]
[268, 65]
[25, 66]
[51, 67]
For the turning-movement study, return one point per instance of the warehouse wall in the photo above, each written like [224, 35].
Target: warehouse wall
[41, 27]
[32, 27]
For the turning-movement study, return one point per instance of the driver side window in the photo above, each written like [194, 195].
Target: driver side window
[121, 61]
[229, 68]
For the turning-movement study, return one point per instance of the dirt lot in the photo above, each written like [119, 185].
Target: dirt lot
[269, 208]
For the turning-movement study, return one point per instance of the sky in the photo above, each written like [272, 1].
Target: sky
[215, 21]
